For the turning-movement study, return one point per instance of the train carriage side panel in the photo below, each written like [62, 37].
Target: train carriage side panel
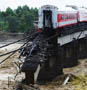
[40, 19]
[66, 18]
[82, 15]
[54, 19]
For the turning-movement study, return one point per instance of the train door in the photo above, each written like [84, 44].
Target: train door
[47, 19]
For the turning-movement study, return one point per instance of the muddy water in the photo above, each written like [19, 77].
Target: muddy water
[4, 76]
[10, 47]
[7, 69]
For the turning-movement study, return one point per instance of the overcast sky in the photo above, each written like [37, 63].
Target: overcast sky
[37, 3]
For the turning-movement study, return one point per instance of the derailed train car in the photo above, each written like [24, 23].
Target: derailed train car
[69, 17]
[45, 55]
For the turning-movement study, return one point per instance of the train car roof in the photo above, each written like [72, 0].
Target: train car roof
[82, 9]
[66, 9]
[49, 7]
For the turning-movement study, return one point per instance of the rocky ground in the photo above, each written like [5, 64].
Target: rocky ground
[74, 78]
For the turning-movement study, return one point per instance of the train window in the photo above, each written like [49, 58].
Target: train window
[68, 16]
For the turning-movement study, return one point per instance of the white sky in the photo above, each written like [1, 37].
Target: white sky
[37, 3]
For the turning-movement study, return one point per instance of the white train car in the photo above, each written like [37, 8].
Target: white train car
[51, 17]
[47, 15]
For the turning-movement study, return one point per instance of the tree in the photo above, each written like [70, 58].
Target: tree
[9, 12]
[18, 20]
[25, 8]
[19, 11]
[13, 24]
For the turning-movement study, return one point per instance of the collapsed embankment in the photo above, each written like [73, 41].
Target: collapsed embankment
[8, 71]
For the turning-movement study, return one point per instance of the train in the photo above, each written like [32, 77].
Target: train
[66, 20]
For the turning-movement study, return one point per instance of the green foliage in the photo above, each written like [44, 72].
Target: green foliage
[9, 12]
[19, 11]
[19, 20]
[12, 23]
[3, 26]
